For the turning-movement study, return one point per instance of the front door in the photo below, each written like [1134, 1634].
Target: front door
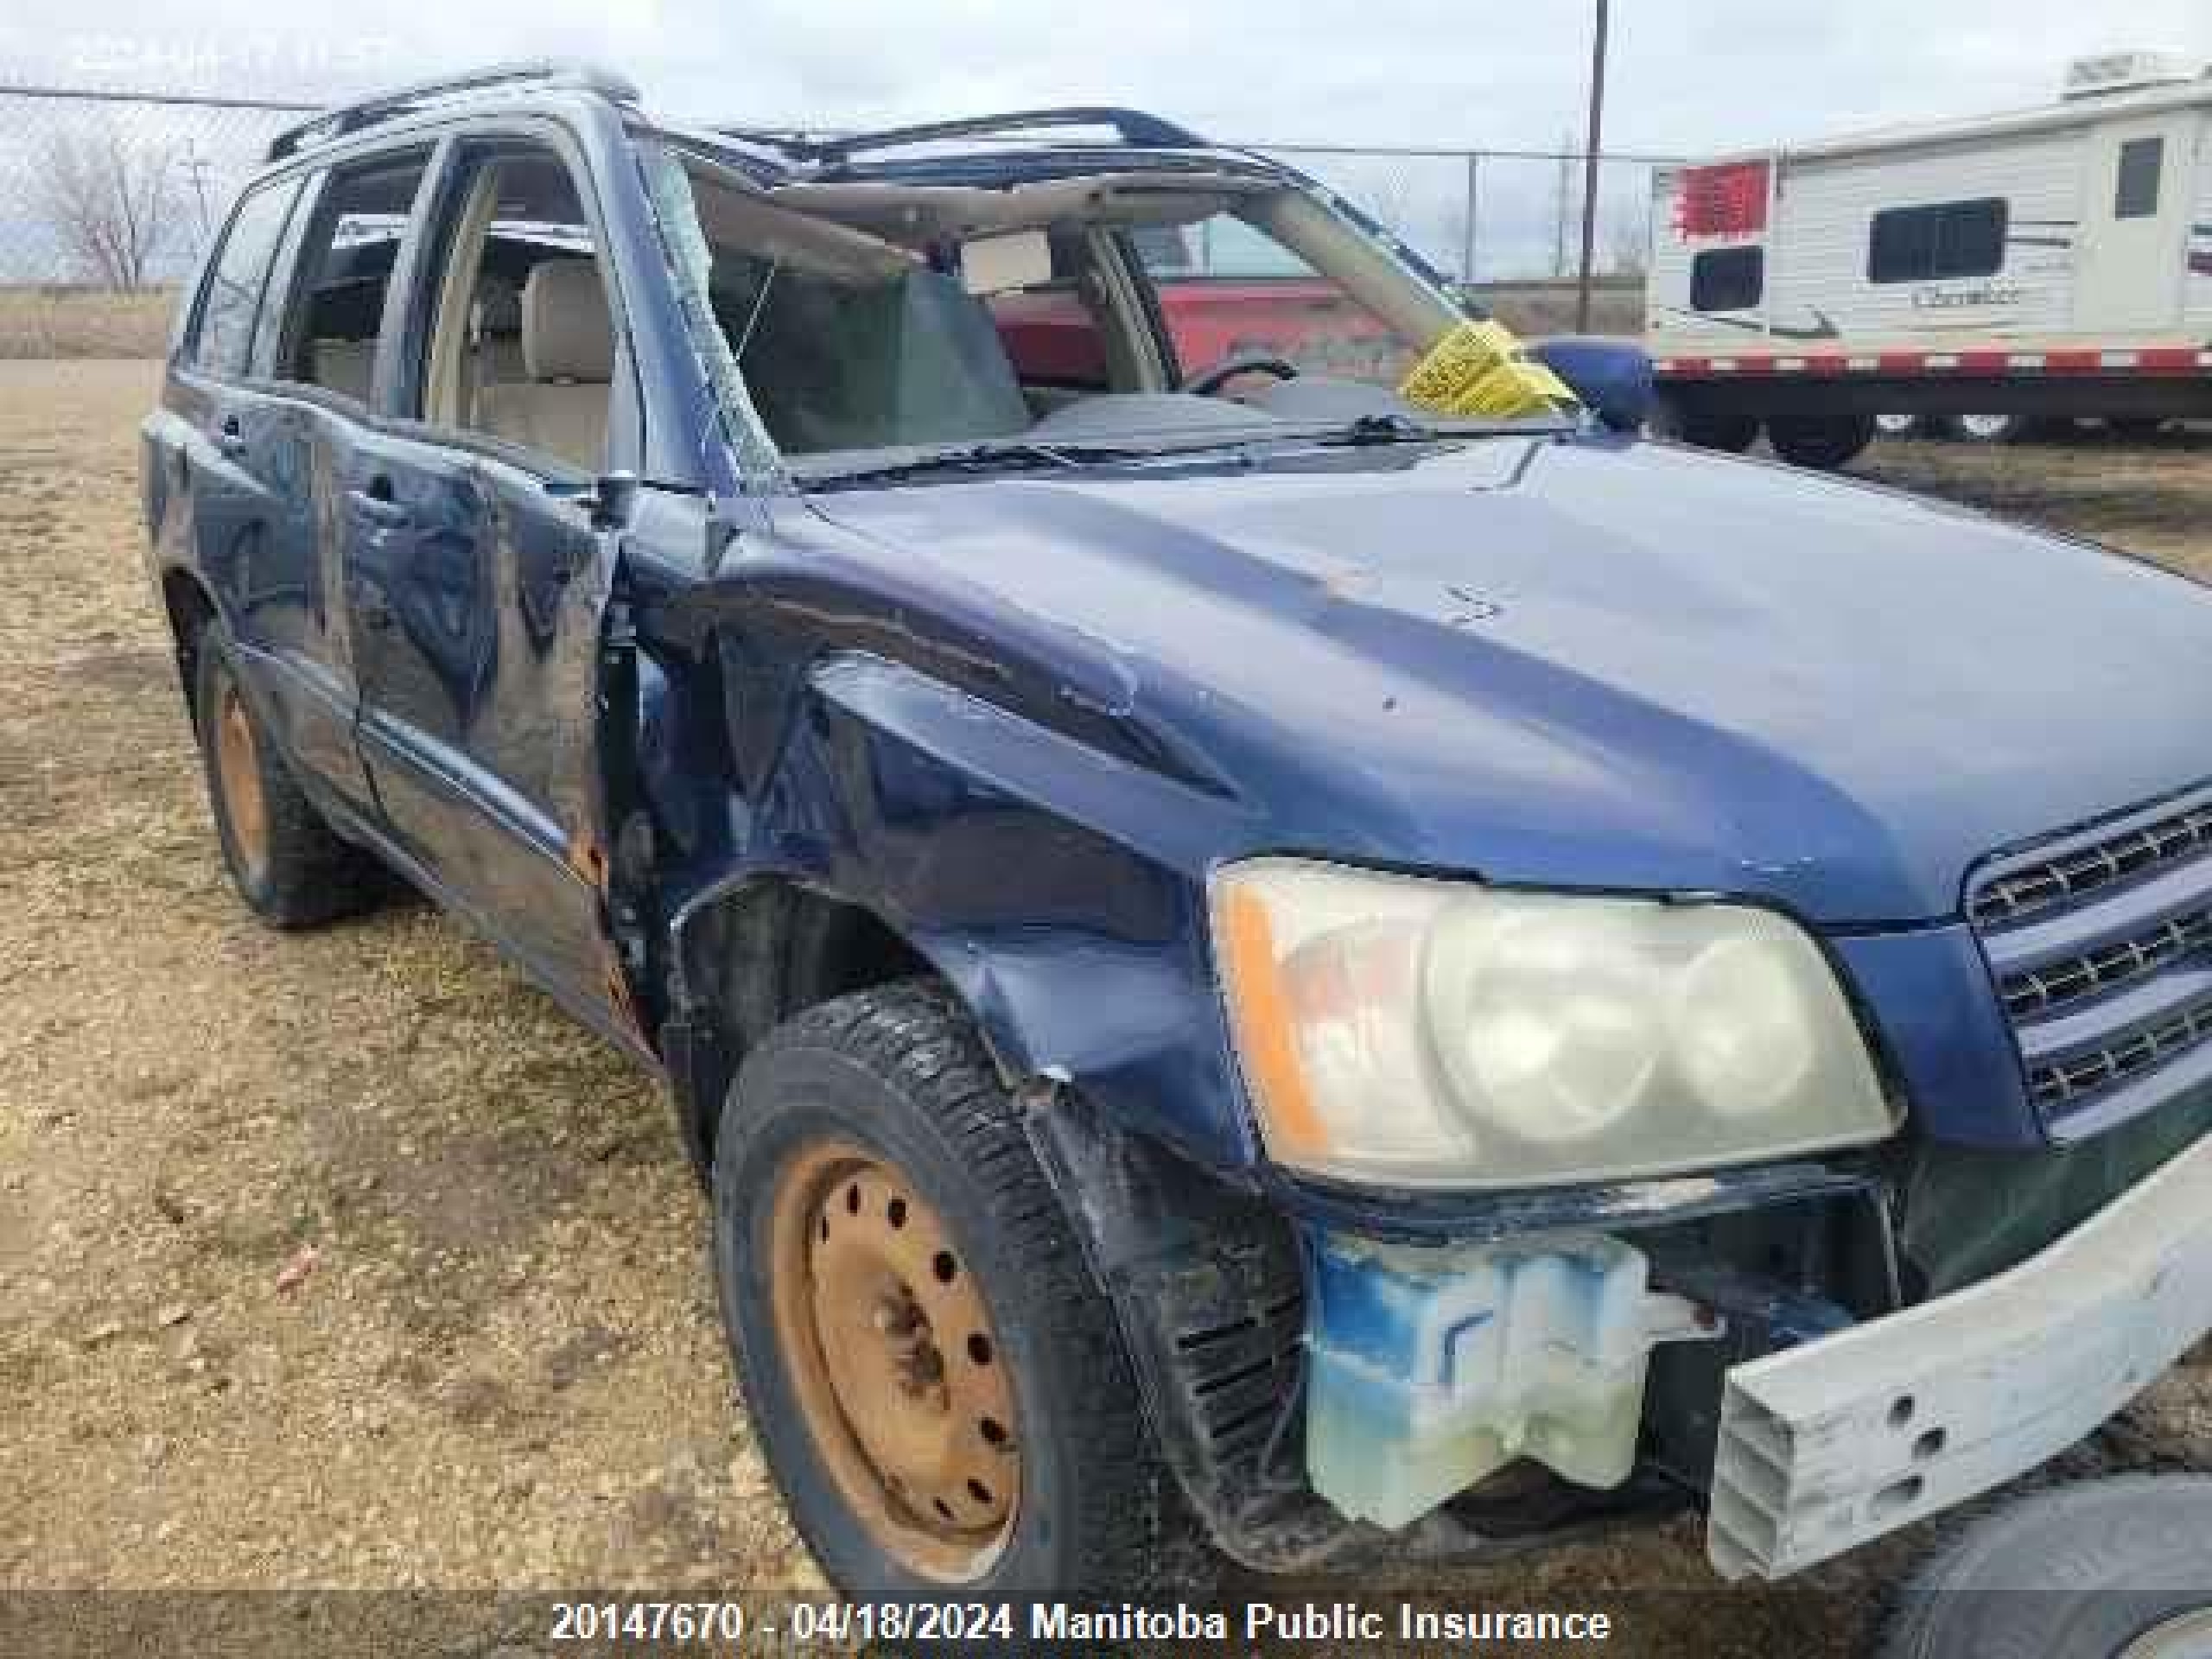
[2133, 258]
[476, 581]
[476, 594]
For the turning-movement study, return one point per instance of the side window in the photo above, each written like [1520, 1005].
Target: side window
[2141, 161]
[345, 266]
[521, 345]
[223, 340]
[1727, 279]
[1229, 288]
[1943, 240]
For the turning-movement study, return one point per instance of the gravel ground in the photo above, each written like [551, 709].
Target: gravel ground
[343, 1260]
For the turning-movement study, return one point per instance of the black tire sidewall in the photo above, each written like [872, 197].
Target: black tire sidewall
[798, 1098]
[1823, 444]
[2075, 1571]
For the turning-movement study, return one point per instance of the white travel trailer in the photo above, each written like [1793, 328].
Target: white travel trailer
[2054, 262]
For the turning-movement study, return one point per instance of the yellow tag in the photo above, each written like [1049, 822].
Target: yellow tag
[1481, 368]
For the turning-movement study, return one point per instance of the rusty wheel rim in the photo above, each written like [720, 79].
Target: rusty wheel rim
[238, 761]
[895, 1363]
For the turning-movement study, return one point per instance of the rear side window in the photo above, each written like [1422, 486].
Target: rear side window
[2136, 194]
[345, 264]
[1942, 240]
[1727, 279]
[223, 341]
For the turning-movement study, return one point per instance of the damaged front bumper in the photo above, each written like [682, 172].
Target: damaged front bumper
[1827, 1446]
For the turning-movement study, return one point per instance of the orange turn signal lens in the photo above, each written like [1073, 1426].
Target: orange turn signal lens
[1259, 1016]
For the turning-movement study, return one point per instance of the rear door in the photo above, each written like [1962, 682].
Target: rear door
[246, 456]
[2135, 223]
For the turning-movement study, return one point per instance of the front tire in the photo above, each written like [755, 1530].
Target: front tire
[290, 868]
[2117, 1568]
[935, 1377]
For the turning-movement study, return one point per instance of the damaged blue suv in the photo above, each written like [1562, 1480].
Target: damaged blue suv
[1258, 971]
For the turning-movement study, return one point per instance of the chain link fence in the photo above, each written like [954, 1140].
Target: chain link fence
[108, 198]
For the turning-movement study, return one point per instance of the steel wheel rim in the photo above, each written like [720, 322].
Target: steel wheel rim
[894, 1363]
[1985, 427]
[2185, 1635]
[238, 762]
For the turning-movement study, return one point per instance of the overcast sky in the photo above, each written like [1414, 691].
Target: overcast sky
[1688, 76]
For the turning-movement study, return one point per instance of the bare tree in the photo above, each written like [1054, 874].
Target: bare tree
[110, 201]
[1628, 241]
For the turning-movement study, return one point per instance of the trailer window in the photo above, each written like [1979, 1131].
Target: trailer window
[1947, 240]
[2141, 161]
[1727, 279]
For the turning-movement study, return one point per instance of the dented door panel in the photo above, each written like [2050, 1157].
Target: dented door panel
[475, 594]
[256, 488]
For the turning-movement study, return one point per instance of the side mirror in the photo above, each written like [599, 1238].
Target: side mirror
[1613, 377]
[612, 499]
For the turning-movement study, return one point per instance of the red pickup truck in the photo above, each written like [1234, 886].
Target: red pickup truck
[1212, 310]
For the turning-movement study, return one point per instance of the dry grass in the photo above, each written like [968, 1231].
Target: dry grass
[79, 322]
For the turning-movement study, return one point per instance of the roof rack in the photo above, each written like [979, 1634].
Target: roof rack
[551, 72]
[1133, 127]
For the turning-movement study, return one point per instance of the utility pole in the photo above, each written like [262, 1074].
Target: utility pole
[1590, 171]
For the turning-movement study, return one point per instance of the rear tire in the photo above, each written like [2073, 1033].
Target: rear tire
[290, 868]
[2096, 1571]
[1825, 441]
[862, 1139]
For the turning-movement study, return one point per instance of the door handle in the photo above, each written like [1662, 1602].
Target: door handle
[379, 510]
[229, 438]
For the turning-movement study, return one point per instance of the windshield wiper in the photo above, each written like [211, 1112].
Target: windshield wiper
[1403, 428]
[975, 457]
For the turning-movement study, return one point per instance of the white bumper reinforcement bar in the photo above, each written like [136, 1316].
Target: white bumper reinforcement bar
[1828, 1444]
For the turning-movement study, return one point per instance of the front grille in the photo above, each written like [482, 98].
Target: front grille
[2102, 946]
[2108, 967]
[2060, 1085]
[2048, 883]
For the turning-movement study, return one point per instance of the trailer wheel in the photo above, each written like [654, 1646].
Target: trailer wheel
[2135, 429]
[1826, 441]
[1990, 429]
[1896, 426]
[2120, 1568]
[1704, 425]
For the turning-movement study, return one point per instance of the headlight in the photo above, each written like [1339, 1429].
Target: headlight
[1431, 1033]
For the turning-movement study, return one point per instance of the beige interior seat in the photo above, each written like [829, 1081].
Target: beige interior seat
[568, 352]
[498, 333]
[345, 366]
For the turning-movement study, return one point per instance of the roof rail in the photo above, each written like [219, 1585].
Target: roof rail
[1134, 128]
[551, 72]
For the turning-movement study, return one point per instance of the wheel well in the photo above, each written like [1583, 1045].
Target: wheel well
[760, 954]
[190, 611]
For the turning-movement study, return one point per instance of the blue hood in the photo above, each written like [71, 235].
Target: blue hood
[1589, 663]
